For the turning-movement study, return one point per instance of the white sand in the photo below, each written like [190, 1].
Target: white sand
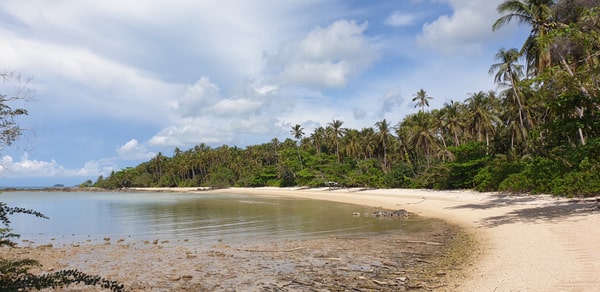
[529, 243]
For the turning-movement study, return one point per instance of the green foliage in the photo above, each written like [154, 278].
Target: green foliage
[436, 177]
[86, 184]
[495, 172]
[578, 184]
[538, 176]
[16, 277]
[400, 176]
[533, 135]
[222, 177]
[471, 151]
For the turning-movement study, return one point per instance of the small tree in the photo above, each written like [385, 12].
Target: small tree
[14, 273]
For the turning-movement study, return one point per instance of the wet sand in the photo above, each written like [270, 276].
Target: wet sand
[523, 243]
[526, 243]
[398, 261]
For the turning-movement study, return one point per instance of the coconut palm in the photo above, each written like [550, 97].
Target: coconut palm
[537, 14]
[336, 133]
[483, 116]
[318, 139]
[298, 133]
[418, 138]
[508, 73]
[453, 120]
[384, 137]
[368, 142]
[424, 136]
[422, 99]
[352, 143]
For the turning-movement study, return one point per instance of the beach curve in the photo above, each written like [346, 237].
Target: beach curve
[529, 243]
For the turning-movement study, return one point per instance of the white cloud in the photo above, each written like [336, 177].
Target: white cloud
[321, 74]
[132, 150]
[236, 107]
[399, 19]
[390, 101]
[198, 97]
[462, 32]
[204, 99]
[92, 84]
[326, 57]
[228, 72]
[203, 115]
[40, 169]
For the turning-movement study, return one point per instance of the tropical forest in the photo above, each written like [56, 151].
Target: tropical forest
[537, 132]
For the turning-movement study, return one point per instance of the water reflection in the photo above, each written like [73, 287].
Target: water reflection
[78, 217]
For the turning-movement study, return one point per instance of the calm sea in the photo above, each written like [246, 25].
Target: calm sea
[85, 217]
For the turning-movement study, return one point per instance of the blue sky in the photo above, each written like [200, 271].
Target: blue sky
[116, 82]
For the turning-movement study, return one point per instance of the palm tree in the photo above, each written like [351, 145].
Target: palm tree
[318, 138]
[538, 14]
[298, 133]
[352, 143]
[422, 99]
[451, 117]
[483, 115]
[417, 135]
[368, 142]
[384, 136]
[509, 73]
[337, 132]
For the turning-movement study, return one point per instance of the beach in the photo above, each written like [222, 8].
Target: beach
[527, 243]
[519, 243]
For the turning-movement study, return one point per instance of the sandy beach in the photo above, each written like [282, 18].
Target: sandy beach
[522, 243]
[528, 243]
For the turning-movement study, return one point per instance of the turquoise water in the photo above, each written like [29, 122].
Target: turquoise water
[80, 217]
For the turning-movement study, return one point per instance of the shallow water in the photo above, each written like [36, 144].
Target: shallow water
[79, 217]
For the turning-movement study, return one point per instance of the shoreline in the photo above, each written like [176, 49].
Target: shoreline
[423, 258]
[526, 243]
[386, 262]
[522, 243]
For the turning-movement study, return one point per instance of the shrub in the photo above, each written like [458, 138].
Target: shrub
[488, 178]
[584, 182]
[538, 176]
[400, 176]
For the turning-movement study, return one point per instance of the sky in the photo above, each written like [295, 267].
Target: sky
[113, 83]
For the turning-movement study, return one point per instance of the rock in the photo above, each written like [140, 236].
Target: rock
[380, 283]
[174, 278]
[186, 277]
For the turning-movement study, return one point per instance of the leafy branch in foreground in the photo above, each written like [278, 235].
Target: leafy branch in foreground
[15, 275]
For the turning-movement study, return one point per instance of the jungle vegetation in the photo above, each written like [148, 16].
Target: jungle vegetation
[538, 132]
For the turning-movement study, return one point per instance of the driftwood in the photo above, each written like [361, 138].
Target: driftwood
[259, 250]
[424, 242]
